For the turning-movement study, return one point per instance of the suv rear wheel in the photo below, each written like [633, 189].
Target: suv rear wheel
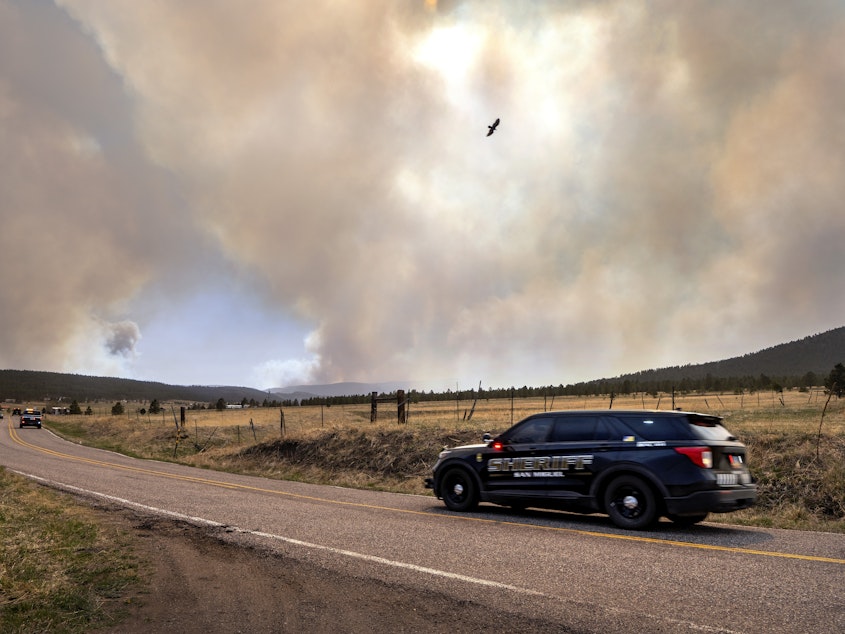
[458, 490]
[630, 503]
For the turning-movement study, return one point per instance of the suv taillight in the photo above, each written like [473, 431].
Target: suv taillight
[700, 456]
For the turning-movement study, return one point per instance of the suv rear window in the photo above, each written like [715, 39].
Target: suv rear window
[656, 427]
[708, 428]
[690, 427]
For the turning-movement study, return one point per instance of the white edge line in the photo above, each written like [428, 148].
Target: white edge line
[399, 564]
[289, 540]
[111, 498]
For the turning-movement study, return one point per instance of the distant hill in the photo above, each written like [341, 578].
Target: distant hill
[816, 353]
[342, 389]
[31, 385]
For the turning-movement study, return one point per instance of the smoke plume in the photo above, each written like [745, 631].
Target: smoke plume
[664, 187]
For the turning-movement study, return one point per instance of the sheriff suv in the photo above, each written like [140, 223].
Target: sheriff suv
[30, 418]
[635, 466]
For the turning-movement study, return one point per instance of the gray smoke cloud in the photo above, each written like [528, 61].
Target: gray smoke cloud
[122, 338]
[664, 187]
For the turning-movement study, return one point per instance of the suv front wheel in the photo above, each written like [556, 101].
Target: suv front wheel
[630, 503]
[458, 490]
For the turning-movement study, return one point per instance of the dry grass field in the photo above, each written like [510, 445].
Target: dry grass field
[801, 474]
[759, 411]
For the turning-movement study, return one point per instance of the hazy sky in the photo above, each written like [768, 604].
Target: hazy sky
[267, 193]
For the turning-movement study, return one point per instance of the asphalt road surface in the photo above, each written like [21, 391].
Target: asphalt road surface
[578, 572]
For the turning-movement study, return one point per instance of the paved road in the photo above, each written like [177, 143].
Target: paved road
[579, 572]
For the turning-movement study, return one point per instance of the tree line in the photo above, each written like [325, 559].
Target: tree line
[835, 381]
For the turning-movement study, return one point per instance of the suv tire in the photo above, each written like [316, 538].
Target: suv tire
[459, 490]
[630, 503]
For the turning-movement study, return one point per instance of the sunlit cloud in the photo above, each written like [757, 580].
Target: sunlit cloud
[280, 373]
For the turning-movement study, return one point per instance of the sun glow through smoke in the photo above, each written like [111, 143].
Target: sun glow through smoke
[451, 51]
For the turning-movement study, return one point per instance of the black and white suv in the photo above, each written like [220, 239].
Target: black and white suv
[30, 418]
[633, 465]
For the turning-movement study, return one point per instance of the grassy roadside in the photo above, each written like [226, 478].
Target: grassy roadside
[62, 568]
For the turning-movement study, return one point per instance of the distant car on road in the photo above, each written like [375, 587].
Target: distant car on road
[633, 465]
[30, 418]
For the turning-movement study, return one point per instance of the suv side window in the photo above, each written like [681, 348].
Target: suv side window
[534, 430]
[656, 427]
[574, 429]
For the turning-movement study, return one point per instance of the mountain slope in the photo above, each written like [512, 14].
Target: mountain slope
[343, 389]
[816, 353]
[32, 385]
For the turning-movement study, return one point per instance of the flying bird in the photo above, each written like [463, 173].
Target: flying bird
[493, 127]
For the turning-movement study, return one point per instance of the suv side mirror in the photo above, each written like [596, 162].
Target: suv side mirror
[487, 437]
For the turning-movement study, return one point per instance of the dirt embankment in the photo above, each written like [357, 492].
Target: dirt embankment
[397, 453]
[201, 583]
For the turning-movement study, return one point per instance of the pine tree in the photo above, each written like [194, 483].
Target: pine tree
[835, 382]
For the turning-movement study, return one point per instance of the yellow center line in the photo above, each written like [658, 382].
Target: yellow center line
[572, 531]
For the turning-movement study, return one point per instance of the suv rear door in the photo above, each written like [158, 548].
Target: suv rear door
[658, 438]
[576, 451]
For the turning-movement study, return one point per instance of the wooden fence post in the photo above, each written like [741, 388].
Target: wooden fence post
[400, 410]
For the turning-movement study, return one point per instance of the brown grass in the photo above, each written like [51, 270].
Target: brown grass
[62, 568]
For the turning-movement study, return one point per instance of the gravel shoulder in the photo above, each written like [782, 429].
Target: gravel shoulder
[197, 582]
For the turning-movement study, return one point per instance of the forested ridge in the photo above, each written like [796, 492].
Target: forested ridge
[799, 364]
[32, 385]
[805, 363]
[816, 354]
